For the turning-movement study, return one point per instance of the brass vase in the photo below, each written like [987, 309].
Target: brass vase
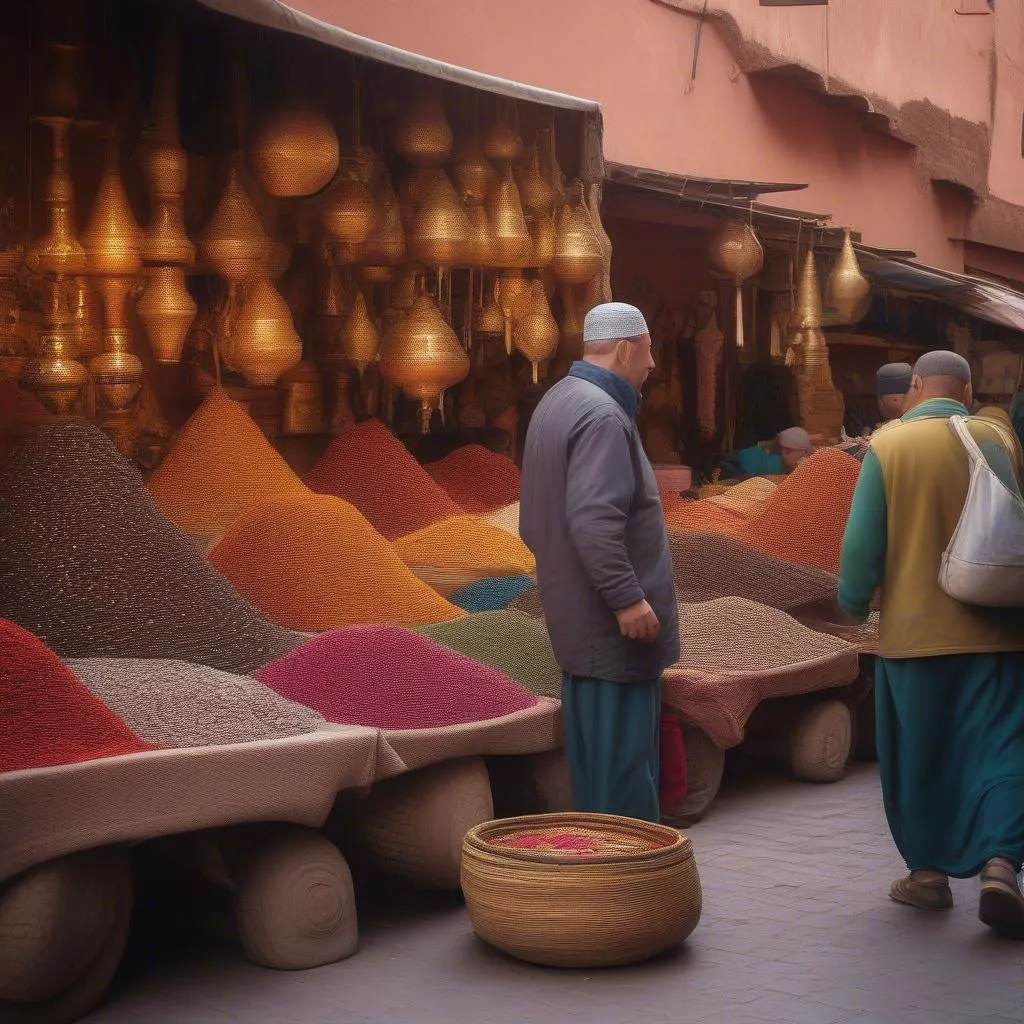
[58, 251]
[405, 287]
[502, 143]
[302, 411]
[359, 337]
[422, 355]
[85, 322]
[473, 174]
[424, 136]
[511, 246]
[168, 310]
[488, 318]
[413, 190]
[536, 334]
[736, 252]
[441, 231]
[117, 371]
[847, 290]
[54, 377]
[577, 257]
[349, 212]
[294, 152]
[481, 242]
[112, 238]
[234, 243]
[265, 343]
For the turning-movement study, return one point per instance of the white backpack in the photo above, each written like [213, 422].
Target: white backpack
[984, 562]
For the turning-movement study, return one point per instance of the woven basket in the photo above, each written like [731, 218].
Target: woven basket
[637, 895]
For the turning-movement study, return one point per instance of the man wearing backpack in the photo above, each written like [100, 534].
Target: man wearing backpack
[949, 688]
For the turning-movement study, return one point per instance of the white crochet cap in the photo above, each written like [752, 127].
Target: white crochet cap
[796, 438]
[611, 321]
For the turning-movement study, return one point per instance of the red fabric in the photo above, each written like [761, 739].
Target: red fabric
[672, 766]
[47, 716]
[386, 677]
[477, 479]
[371, 469]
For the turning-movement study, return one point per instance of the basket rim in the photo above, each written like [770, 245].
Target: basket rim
[477, 838]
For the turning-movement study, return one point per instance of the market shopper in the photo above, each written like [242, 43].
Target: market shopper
[949, 677]
[591, 513]
[892, 383]
[777, 457]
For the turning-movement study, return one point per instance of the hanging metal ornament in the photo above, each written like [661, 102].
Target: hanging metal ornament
[736, 253]
[847, 290]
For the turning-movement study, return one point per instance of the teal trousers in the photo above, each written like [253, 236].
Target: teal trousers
[611, 741]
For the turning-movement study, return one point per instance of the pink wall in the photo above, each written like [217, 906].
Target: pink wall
[634, 56]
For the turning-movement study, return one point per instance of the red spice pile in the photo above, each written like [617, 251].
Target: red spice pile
[705, 516]
[48, 716]
[370, 468]
[386, 677]
[805, 519]
[477, 479]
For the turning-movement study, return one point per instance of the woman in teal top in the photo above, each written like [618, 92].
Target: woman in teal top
[794, 445]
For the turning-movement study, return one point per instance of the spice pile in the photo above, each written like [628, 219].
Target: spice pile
[178, 704]
[453, 553]
[712, 565]
[316, 564]
[49, 718]
[390, 678]
[506, 518]
[478, 480]
[90, 565]
[804, 520]
[510, 641]
[369, 467]
[218, 467]
[490, 594]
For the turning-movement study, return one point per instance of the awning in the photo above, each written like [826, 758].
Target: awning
[275, 15]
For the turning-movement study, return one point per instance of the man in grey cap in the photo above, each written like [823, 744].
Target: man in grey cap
[949, 677]
[892, 382]
[591, 514]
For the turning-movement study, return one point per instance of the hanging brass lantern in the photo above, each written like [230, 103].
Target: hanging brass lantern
[441, 230]
[502, 143]
[349, 211]
[488, 318]
[168, 310]
[85, 324]
[847, 290]
[422, 355]
[385, 246]
[474, 176]
[510, 289]
[234, 243]
[424, 137]
[807, 339]
[265, 343]
[112, 238]
[58, 251]
[165, 165]
[542, 231]
[54, 377]
[512, 245]
[481, 244]
[405, 287]
[577, 257]
[536, 334]
[294, 152]
[359, 337]
[535, 188]
[117, 371]
[736, 252]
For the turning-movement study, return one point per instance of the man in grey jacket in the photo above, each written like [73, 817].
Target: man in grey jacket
[591, 514]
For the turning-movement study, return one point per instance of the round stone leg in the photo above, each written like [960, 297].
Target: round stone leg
[412, 826]
[294, 901]
[705, 765]
[821, 742]
[63, 929]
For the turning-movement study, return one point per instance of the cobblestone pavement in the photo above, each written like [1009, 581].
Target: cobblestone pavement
[796, 928]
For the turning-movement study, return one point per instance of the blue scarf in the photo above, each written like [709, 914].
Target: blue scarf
[611, 383]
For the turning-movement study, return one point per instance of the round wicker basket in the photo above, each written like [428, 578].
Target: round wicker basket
[580, 890]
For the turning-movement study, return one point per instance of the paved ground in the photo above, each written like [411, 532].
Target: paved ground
[796, 929]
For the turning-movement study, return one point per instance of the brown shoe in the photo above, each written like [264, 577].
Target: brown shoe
[1001, 905]
[931, 894]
